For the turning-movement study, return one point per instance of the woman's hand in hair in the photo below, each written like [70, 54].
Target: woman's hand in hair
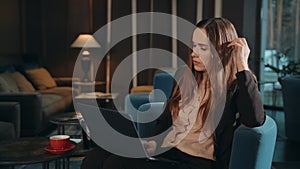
[241, 52]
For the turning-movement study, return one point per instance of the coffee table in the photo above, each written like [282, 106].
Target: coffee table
[30, 151]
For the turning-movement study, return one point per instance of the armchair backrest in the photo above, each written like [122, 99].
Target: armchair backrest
[290, 93]
[162, 81]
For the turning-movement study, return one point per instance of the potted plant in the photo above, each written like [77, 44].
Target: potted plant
[290, 68]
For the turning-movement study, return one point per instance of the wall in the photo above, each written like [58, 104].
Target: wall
[10, 32]
[245, 15]
[44, 29]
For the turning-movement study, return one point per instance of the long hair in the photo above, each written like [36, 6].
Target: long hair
[220, 32]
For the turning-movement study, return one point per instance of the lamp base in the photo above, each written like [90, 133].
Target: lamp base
[86, 80]
[86, 66]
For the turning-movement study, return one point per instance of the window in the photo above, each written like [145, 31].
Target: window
[280, 45]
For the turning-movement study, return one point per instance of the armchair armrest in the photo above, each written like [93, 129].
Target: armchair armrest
[31, 109]
[254, 146]
[10, 112]
[147, 115]
[134, 101]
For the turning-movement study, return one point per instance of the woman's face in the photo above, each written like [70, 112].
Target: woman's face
[201, 50]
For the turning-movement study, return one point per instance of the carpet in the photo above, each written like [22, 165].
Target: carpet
[74, 164]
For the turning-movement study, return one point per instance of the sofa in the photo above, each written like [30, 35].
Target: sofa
[9, 120]
[39, 94]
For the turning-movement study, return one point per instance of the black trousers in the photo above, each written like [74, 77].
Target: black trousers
[101, 159]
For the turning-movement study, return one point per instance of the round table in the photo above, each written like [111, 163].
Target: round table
[30, 151]
[70, 118]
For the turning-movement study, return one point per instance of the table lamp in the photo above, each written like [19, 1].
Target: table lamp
[86, 41]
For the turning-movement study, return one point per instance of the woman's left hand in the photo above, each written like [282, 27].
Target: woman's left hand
[150, 146]
[241, 52]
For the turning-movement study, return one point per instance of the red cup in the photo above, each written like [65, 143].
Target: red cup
[59, 142]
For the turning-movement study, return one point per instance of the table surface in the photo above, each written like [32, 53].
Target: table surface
[27, 151]
[96, 95]
[89, 83]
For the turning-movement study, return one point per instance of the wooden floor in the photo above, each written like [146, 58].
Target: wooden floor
[286, 155]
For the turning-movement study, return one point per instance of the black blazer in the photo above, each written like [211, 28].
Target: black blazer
[244, 98]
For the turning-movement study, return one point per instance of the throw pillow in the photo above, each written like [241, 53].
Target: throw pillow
[23, 84]
[8, 83]
[3, 86]
[41, 78]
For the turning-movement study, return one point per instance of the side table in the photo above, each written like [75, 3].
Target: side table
[104, 100]
[30, 151]
[86, 86]
[69, 118]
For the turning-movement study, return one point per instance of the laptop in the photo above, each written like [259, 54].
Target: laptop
[124, 124]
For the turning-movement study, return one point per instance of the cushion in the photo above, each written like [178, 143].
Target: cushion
[23, 84]
[3, 85]
[41, 78]
[8, 83]
[142, 89]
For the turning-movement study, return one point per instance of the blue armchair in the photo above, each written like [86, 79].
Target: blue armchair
[252, 148]
[162, 84]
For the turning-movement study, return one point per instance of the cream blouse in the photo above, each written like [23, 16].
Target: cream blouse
[187, 126]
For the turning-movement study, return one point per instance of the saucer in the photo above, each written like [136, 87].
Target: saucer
[57, 151]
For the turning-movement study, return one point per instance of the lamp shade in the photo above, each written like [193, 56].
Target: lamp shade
[85, 41]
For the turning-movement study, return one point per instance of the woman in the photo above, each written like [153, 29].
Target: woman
[215, 43]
